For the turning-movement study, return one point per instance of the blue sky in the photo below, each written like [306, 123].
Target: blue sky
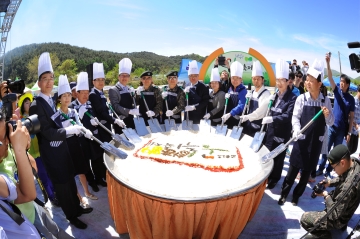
[303, 30]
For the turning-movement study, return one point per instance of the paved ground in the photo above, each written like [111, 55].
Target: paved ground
[271, 220]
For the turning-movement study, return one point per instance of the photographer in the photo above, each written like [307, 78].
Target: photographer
[224, 76]
[294, 67]
[13, 223]
[347, 169]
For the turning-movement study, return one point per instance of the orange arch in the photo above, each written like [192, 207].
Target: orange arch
[266, 64]
[208, 61]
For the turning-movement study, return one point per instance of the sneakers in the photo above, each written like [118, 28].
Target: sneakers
[318, 173]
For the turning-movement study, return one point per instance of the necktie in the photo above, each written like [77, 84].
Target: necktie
[51, 103]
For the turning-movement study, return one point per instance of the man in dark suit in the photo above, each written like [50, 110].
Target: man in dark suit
[100, 109]
[53, 147]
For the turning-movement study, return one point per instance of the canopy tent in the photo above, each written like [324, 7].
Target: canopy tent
[184, 67]
[326, 82]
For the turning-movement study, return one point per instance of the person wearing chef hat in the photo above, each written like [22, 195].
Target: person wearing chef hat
[236, 93]
[279, 120]
[76, 149]
[198, 95]
[53, 146]
[121, 95]
[175, 98]
[73, 90]
[98, 102]
[95, 154]
[258, 102]
[152, 95]
[307, 146]
[217, 99]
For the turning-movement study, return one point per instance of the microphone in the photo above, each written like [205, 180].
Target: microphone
[354, 44]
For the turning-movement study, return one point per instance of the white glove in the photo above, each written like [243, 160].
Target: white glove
[187, 89]
[225, 117]
[169, 113]
[134, 112]
[164, 94]
[248, 95]
[131, 90]
[244, 118]
[267, 120]
[227, 96]
[87, 133]
[73, 129]
[94, 122]
[120, 123]
[297, 135]
[82, 111]
[139, 90]
[150, 113]
[66, 123]
[190, 108]
[207, 116]
[272, 97]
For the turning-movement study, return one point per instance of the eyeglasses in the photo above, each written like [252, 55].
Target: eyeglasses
[335, 165]
[100, 80]
[300, 76]
[124, 76]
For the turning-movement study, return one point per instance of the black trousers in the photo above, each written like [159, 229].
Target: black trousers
[290, 179]
[98, 168]
[66, 193]
[275, 175]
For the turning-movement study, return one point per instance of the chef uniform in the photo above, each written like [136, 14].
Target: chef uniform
[121, 98]
[279, 122]
[198, 95]
[258, 97]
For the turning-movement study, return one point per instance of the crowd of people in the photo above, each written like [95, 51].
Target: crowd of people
[70, 123]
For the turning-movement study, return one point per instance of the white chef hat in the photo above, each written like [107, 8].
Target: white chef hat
[282, 69]
[44, 63]
[317, 69]
[125, 66]
[193, 68]
[257, 70]
[82, 81]
[236, 69]
[98, 70]
[63, 86]
[215, 76]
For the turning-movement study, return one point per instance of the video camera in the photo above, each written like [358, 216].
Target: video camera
[221, 60]
[354, 58]
[32, 124]
[16, 87]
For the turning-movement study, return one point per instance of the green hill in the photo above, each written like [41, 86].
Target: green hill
[17, 60]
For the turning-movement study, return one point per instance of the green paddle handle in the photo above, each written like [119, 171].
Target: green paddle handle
[226, 101]
[88, 114]
[66, 117]
[247, 100]
[110, 107]
[317, 115]
[270, 104]
[187, 96]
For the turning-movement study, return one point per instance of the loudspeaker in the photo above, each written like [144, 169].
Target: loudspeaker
[89, 70]
[354, 62]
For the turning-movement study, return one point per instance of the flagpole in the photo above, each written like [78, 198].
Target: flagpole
[340, 62]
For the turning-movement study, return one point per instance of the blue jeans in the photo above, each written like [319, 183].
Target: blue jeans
[336, 137]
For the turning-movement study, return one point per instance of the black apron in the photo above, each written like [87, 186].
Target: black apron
[81, 166]
[194, 99]
[151, 102]
[104, 135]
[215, 119]
[250, 128]
[126, 101]
[305, 152]
[232, 103]
[172, 100]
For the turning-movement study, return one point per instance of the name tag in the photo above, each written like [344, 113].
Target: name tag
[278, 110]
[54, 116]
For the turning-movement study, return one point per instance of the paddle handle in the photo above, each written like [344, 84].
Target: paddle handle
[267, 114]
[67, 117]
[243, 112]
[112, 110]
[167, 107]
[187, 104]
[134, 105]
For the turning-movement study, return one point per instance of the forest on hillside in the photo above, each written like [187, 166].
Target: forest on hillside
[21, 62]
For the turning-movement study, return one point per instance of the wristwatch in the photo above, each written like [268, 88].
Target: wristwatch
[349, 133]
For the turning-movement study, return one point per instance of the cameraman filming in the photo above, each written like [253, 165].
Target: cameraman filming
[347, 169]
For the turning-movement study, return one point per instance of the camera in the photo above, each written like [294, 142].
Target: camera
[317, 189]
[16, 87]
[354, 58]
[32, 124]
[221, 60]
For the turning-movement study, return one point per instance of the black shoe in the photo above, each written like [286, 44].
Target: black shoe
[85, 210]
[271, 185]
[101, 183]
[282, 200]
[77, 223]
[295, 201]
[94, 187]
[318, 173]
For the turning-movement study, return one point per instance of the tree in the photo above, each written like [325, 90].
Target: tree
[32, 66]
[68, 68]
